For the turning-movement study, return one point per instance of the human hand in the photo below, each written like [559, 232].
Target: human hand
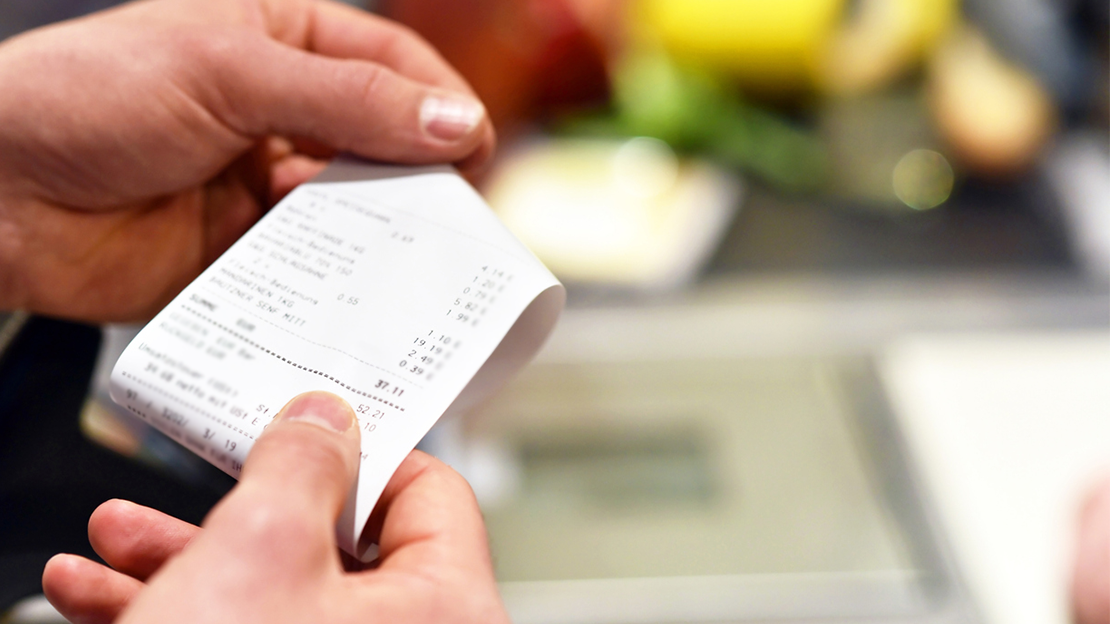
[138, 143]
[1091, 578]
[267, 552]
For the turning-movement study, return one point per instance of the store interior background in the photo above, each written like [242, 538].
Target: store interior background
[838, 330]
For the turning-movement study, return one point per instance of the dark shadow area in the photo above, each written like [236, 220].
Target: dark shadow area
[51, 476]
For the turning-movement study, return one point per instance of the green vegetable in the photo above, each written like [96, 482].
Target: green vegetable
[695, 112]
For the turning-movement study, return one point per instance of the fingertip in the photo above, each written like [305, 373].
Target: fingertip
[111, 512]
[59, 573]
[84, 591]
[477, 163]
[444, 482]
[423, 464]
[323, 409]
[425, 505]
[59, 578]
[299, 473]
[290, 172]
[451, 117]
[109, 518]
[137, 540]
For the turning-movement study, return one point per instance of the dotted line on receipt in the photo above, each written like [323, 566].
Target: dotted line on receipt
[312, 342]
[299, 336]
[290, 362]
[143, 382]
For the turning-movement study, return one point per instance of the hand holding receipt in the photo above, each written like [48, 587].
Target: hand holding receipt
[394, 288]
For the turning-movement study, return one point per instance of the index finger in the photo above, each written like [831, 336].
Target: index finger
[340, 31]
[430, 522]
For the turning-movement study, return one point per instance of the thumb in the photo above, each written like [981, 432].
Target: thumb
[294, 482]
[263, 87]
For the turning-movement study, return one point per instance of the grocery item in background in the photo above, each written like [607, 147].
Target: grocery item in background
[621, 213]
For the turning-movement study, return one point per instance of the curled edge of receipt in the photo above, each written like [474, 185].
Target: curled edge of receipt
[396, 288]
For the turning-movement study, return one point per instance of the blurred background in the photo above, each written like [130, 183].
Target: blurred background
[838, 333]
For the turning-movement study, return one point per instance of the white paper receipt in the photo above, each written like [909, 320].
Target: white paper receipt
[395, 288]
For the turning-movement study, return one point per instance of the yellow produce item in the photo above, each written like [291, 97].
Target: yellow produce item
[787, 45]
[883, 39]
[766, 42]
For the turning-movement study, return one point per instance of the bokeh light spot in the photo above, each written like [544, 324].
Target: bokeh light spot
[923, 179]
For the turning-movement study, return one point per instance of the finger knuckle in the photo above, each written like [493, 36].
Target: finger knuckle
[266, 523]
[212, 49]
[370, 81]
[214, 64]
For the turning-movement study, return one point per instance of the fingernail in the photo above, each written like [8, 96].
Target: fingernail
[322, 409]
[450, 117]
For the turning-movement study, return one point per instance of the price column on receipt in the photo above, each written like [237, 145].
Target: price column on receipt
[395, 288]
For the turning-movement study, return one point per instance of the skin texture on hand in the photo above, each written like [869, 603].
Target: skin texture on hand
[137, 144]
[267, 553]
[1091, 578]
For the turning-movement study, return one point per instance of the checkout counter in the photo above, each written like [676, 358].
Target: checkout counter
[817, 441]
